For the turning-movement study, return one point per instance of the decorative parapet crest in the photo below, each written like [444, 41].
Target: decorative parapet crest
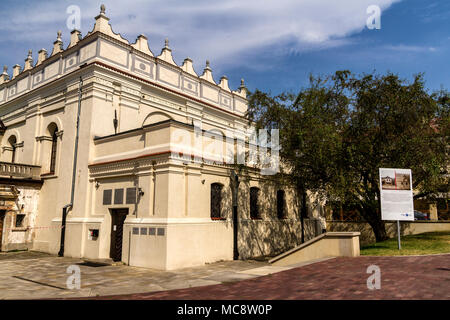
[58, 44]
[207, 73]
[141, 44]
[75, 37]
[102, 25]
[16, 71]
[104, 47]
[42, 55]
[166, 53]
[224, 83]
[188, 67]
[242, 90]
[28, 61]
[4, 77]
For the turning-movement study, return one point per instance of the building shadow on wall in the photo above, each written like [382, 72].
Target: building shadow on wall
[269, 235]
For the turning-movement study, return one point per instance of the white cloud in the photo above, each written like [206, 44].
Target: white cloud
[408, 48]
[222, 31]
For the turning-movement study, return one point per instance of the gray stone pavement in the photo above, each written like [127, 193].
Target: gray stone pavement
[34, 275]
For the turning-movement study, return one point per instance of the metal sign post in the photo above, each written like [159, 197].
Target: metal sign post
[396, 197]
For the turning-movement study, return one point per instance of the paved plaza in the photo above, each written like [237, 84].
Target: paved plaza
[32, 275]
[406, 277]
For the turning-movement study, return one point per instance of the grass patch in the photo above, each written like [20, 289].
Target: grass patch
[424, 243]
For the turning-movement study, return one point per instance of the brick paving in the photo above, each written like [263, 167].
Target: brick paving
[402, 277]
[35, 275]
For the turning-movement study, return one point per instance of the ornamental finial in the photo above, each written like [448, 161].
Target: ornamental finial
[102, 9]
[166, 43]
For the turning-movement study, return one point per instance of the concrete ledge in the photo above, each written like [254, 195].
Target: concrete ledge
[330, 244]
[407, 228]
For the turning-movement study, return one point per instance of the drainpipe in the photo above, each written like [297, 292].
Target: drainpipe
[235, 188]
[74, 172]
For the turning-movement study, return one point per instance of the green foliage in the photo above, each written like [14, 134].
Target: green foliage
[424, 243]
[336, 133]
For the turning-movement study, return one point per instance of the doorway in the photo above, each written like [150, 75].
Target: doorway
[118, 217]
[2, 219]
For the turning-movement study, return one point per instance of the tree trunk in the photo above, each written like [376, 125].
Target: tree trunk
[376, 224]
[303, 214]
[301, 192]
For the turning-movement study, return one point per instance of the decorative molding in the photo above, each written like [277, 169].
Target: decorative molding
[43, 138]
[63, 62]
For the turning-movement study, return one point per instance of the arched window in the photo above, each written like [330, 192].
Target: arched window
[12, 142]
[53, 152]
[281, 204]
[254, 203]
[216, 200]
[52, 131]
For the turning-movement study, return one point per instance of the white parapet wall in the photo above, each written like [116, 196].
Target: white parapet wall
[330, 244]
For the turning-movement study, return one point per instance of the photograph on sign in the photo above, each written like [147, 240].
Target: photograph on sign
[396, 194]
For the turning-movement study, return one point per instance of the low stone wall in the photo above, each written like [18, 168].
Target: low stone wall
[330, 244]
[367, 235]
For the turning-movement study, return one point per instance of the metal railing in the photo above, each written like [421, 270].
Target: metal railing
[19, 170]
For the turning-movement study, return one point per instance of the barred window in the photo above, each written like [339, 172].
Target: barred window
[216, 200]
[254, 203]
[281, 204]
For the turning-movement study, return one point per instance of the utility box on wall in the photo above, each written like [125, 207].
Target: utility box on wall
[93, 234]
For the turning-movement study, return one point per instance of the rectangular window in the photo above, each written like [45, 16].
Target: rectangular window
[152, 231]
[254, 203]
[118, 196]
[19, 220]
[216, 200]
[144, 231]
[107, 196]
[161, 231]
[281, 204]
[131, 196]
[135, 231]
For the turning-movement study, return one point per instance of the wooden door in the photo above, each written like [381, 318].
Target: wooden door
[118, 218]
[2, 219]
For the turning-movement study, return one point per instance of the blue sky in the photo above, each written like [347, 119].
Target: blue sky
[273, 45]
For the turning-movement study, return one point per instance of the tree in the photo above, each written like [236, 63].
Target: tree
[336, 133]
